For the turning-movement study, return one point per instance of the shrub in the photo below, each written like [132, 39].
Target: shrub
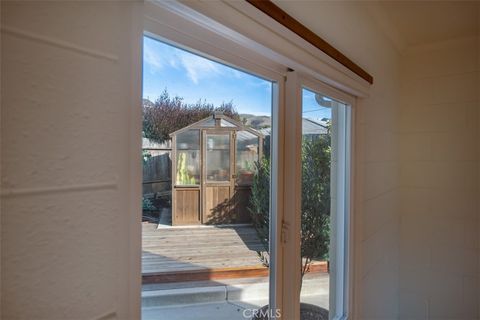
[260, 203]
[315, 237]
[315, 212]
[147, 204]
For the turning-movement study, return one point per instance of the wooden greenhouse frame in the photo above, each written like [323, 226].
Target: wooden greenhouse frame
[212, 171]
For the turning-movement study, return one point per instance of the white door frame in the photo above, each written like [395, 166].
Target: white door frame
[175, 23]
[342, 247]
[341, 243]
[160, 24]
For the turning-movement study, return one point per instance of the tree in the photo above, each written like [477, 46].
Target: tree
[315, 237]
[168, 114]
[315, 226]
[259, 205]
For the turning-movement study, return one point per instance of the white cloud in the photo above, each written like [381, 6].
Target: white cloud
[260, 83]
[160, 56]
[237, 74]
[198, 67]
[173, 61]
[152, 57]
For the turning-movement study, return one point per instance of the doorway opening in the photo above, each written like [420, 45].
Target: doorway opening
[216, 237]
[206, 138]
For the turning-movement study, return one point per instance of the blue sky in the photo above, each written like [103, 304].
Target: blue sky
[193, 78]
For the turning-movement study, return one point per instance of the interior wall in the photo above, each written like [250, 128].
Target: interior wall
[70, 80]
[376, 215]
[439, 125]
[65, 145]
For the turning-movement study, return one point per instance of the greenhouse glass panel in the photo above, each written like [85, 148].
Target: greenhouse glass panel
[227, 124]
[247, 154]
[210, 123]
[218, 157]
[188, 158]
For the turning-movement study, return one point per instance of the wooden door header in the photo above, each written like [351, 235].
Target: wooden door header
[276, 13]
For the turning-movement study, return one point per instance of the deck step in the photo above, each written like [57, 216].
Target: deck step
[219, 273]
[205, 274]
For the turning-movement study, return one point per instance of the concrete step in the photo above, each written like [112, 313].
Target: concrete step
[183, 296]
[233, 291]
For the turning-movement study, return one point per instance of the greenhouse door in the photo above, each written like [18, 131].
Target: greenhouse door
[218, 177]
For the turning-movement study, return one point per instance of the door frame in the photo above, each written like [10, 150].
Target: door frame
[342, 247]
[227, 40]
[177, 24]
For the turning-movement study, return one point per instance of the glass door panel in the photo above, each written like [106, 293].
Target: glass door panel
[188, 158]
[235, 197]
[324, 213]
[218, 157]
[315, 205]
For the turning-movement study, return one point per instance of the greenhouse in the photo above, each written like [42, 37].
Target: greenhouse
[213, 164]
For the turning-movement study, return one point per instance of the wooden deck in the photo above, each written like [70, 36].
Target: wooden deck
[201, 253]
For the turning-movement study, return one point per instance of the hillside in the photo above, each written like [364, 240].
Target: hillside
[256, 122]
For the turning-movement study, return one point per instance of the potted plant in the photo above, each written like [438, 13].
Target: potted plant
[247, 173]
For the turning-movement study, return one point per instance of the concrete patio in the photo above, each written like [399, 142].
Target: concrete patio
[229, 299]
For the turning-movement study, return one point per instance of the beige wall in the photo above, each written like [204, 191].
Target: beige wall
[439, 180]
[67, 193]
[65, 150]
[377, 167]
[65, 127]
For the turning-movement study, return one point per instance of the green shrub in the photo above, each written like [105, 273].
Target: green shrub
[147, 204]
[316, 155]
[260, 203]
[315, 233]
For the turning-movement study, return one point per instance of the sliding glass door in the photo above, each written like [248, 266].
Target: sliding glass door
[317, 209]
[255, 222]
[209, 226]
[325, 200]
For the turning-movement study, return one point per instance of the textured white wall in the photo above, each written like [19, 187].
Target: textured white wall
[66, 188]
[439, 179]
[65, 150]
[70, 83]
[377, 167]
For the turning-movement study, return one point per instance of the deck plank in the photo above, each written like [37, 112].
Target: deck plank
[168, 250]
[202, 253]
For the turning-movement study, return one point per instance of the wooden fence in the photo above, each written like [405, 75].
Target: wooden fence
[157, 168]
